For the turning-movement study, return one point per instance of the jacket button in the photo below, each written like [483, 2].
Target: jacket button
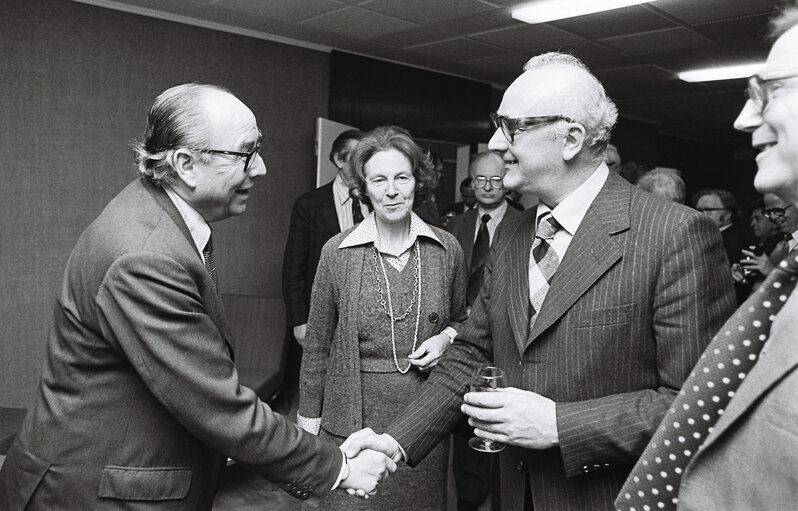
[433, 317]
[521, 466]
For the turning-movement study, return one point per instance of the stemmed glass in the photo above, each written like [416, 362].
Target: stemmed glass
[487, 379]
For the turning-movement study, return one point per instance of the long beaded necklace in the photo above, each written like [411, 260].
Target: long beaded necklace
[389, 310]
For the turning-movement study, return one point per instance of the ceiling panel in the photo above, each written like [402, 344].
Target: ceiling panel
[426, 11]
[414, 37]
[699, 11]
[283, 10]
[659, 41]
[527, 38]
[615, 22]
[457, 49]
[358, 23]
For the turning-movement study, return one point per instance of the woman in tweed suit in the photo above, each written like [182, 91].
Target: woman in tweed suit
[388, 297]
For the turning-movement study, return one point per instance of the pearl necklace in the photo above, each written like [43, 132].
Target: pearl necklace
[389, 311]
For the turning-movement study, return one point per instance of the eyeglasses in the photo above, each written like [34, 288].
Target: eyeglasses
[771, 213]
[247, 156]
[482, 182]
[512, 126]
[758, 91]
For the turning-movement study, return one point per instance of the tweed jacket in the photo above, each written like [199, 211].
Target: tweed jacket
[313, 222]
[330, 374]
[463, 227]
[641, 290]
[139, 403]
[750, 459]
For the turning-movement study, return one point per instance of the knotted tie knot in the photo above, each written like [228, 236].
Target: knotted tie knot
[547, 227]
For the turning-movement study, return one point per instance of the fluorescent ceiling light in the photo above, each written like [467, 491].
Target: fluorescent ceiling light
[550, 10]
[721, 73]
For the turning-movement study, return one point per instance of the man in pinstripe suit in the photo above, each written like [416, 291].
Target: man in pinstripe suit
[641, 286]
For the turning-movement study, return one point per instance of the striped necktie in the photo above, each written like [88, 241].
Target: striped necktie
[654, 481]
[210, 264]
[543, 263]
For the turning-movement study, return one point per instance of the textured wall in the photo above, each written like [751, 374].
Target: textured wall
[76, 82]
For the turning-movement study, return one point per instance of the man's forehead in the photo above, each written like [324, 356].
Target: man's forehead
[784, 54]
[710, 197]
[493, 165]
[536, 89]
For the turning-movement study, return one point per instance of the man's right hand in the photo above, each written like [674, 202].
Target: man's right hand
[300, 331]
[366, 470]
[366, 438]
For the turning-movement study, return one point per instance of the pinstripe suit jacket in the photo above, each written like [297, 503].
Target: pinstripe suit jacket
[641, 290]
[139, 402]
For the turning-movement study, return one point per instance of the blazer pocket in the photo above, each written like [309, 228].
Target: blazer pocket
[141, 483]
[608, 316]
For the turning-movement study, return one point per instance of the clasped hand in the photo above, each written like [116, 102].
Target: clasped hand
[513, 416]
[429, 352]
[372, 458]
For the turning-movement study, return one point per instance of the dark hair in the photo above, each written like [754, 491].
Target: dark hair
[725, 196]
[340, 142]
[177, 119]
[758, 203]
[465, 183]
[384, 138]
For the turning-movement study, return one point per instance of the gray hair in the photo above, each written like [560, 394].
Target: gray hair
[176, 120]
[786, 19]
[481, 156]
[597, 112]
[663, 182]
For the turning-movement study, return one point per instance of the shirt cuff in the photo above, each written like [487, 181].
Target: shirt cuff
[401, 450]
[311, 425]
[450, 332]
[344, 473]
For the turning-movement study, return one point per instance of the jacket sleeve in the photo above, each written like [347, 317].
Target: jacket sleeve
[692, 299]
[152, 313]
[322, 324]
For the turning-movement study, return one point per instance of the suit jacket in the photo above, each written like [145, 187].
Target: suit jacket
[139, 402]
[313, 222]
[464, 226]
[750, 459]
[641, 290]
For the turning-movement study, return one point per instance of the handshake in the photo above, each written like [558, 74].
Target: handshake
[371, 457]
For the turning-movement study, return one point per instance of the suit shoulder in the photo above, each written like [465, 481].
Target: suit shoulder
[315, 195]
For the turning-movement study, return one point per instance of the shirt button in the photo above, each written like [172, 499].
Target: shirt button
[521, 466]
[433, 317]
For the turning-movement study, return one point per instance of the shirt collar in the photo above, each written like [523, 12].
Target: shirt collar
[496, 213]
[366, 232]
[570, 212]
[197, 226]
[340, 190]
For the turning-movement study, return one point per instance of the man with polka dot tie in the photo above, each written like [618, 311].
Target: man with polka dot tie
[730, 441]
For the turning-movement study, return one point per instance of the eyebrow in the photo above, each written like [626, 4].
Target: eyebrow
[247, 146]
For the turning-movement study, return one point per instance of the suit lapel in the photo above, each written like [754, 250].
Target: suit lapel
[467, 229]
[779, 357]
[593, 250]
[517, 266]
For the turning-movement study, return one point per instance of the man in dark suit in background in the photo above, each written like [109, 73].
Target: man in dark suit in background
[468, 202]
[596, 304]
[472, 469]
[139, 404]
[317, 216]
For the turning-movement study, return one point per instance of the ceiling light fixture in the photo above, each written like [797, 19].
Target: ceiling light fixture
[711, 74]
[550, 10]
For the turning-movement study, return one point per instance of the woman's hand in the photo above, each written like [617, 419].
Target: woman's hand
[427, 355]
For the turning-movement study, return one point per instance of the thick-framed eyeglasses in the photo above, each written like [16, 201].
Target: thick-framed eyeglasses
[758, 89]
[248, 157]
[511, 126]
[771, 213]
[482, 181]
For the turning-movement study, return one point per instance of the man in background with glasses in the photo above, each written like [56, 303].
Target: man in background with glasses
[476, 230]
[139, 403]
[596, 304]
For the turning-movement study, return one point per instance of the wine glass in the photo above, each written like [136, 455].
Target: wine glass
[487, 379]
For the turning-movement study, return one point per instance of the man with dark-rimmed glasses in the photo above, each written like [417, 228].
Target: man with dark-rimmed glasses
[596, 304]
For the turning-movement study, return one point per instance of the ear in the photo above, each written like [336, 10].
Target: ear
[574, 141]
[184, 163]
[339, 162]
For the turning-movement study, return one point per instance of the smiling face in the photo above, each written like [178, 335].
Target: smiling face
[786, 223]
[774, 131]
[221, 187]
[390, 186]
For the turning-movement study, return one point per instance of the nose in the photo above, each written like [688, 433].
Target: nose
[749, 119]
[391, 188]
[258, 167]
[488, 186]
[497, 141]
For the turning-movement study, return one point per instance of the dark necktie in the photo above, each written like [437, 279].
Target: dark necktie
[654, 481]
[357, 214]
[543, 263]
[478, 255]
[210, 264]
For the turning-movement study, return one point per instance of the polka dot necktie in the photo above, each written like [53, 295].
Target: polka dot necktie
[210, 264]
[654, 481]
[543, 264]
